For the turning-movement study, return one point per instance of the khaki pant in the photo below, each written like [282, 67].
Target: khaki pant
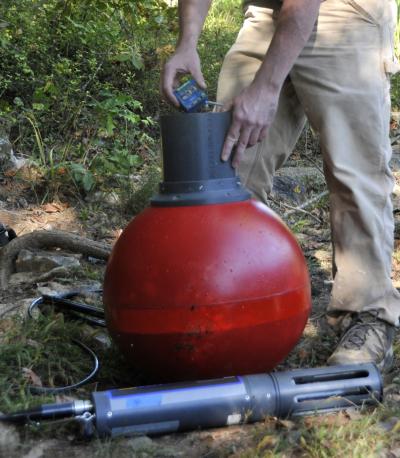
[340, 83]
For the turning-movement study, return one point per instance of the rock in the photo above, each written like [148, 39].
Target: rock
[109, 198]
[143, 447]
[8, 161]
[42, 449]
[53, 288]
[390, 424]
[43, 261]
[9, 439]
[142, 444]
[288, 188]
[23, 203]
[310, 177]
[21, 278]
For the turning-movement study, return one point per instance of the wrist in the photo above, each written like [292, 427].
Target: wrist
[265, 85]
[189, 45]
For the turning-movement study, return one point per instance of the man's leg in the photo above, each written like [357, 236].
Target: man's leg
[238, 70]
[341, 81]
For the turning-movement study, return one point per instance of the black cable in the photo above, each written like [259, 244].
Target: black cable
[78, 310]
[73, 386]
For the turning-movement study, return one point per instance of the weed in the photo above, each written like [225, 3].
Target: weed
[137, 196]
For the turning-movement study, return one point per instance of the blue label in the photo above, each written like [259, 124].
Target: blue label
[143, 400]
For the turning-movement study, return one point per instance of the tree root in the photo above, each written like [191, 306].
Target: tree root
[48, 239]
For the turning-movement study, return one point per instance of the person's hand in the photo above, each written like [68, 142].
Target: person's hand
[253, 111]
[184, 61]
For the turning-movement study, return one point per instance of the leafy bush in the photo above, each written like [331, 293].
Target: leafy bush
[71, 85]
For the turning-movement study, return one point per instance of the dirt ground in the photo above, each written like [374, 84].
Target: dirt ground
[105, 223]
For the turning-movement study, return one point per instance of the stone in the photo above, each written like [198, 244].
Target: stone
[109, 198]
[43, 261]
[8, 161]
[55, 288]
[21, 278]
[42, 449]
[9, 439]
[142, 444]
[287, 188]
[390, 424]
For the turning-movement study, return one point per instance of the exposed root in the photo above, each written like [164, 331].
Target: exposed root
[48, 239]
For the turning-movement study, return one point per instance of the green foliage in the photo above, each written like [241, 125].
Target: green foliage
[71, 85]
[397, 33]
[137, 197]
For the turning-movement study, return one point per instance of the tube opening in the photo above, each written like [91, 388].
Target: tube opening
[330, 377]
[356, 391]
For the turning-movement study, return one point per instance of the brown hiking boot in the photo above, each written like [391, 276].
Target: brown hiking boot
[368, 339]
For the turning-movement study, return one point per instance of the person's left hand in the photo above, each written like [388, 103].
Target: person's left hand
[253, 111]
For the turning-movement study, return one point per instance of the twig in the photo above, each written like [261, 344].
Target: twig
[298, 209]
[307, 203]
[314, 163]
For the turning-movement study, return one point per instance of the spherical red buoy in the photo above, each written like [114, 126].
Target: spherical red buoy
[206, 282]
[206, 291]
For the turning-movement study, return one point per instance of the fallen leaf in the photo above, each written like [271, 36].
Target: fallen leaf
[268, 441]
[303, 354]
[52, 208]
[32, 343]
[31, 377]
[354, 414]
[10, 173]
[286, 424]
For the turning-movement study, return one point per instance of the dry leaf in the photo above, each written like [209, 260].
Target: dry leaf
[286, 424]
[303, 354]
[33, 378]
[53, 207]
[33, 343]
[268, 441]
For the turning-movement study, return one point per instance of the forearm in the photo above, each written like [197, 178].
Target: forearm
[294, 26]
[192, 14]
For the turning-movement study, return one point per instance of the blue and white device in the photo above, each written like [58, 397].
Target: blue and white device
[191, 97]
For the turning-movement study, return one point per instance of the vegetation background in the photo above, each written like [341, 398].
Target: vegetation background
[79, 84]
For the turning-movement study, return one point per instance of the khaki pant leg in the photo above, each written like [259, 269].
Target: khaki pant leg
[341, 80]
[240, 65]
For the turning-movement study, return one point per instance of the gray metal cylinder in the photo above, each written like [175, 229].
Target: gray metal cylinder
[177, 407]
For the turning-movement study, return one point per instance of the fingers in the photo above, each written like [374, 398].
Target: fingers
[241, 146]
[199, 78]
[239, 138]
[263, 134]
[168, 83]
[255, 136]
[181, 63]
[230, 140]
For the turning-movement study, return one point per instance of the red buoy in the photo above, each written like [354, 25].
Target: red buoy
[206, 290]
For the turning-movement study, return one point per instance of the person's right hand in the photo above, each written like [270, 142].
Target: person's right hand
[184, 61]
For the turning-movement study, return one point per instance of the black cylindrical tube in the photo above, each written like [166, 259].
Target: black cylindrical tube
[305, 391]
[43, 412]
[194, 173]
